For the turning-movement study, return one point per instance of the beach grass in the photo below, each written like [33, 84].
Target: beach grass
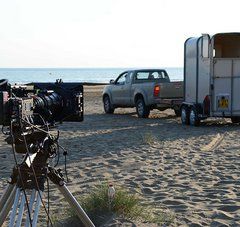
[125, 205]
[149, 138]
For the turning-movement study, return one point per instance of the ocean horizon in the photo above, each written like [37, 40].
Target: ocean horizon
[87, 75]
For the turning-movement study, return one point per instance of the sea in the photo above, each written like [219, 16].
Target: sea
[87, 75]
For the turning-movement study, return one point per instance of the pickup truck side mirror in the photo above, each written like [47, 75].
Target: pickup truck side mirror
[112, 81]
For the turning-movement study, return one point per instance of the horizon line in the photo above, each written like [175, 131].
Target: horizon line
[90, 67]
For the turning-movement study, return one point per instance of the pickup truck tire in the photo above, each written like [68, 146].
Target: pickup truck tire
[177, 112]
[193, 117]
[185, 115]
[108, 108]
[143, 111]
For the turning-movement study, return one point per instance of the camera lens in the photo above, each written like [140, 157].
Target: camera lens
[48, 104]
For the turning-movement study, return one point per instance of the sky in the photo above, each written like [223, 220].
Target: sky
[107, 33]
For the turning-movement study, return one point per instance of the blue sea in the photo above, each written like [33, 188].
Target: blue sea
[89, 75]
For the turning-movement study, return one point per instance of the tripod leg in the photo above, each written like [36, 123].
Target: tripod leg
[32, 200]
[15, 207]
[75, 205]
[21, 210]
[7, 207]
[36, 210]
[6, 195]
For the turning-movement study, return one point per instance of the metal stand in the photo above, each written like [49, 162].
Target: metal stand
[14, 198]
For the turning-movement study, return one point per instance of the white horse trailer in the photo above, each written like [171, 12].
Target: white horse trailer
[211, 78]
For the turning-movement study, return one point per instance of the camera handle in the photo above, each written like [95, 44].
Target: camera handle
[3, 82]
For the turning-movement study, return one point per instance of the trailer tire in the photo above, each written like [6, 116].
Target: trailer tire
[108, 108]
[143, 111]
[193, 117]
[235, 120]
[185, 115]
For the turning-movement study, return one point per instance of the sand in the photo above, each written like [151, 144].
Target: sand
[194, 172]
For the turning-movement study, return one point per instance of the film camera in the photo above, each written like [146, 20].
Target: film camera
[28, 114]
[55, 102]
[38, 105]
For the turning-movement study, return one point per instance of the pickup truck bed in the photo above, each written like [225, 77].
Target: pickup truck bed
[144, 89]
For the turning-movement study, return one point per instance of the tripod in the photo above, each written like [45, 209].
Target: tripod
[14, 197]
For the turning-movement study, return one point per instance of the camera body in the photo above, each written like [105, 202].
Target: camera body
[55, 102]
[30, 109]
[13, 108]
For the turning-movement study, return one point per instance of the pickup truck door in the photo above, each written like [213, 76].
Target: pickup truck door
[121, 90]
[126, 90]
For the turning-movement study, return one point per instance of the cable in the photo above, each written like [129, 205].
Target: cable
[19, 172]
[65, 152]
[65, 165]
[58, 156]
[47, 132]
[48, 199]
[44, 122]
[34, 126]
[34, 173]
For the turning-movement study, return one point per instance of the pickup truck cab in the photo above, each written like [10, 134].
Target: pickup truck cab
[145, 89]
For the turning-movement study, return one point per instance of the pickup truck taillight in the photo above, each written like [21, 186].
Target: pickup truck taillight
[156, 90]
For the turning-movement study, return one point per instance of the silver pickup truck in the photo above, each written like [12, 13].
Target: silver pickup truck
[145, 89]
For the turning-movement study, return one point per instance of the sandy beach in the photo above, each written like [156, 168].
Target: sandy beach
[194, 172]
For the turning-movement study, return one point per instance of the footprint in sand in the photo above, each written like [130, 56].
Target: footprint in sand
[230, 208]
[147, 190]
[222, 215]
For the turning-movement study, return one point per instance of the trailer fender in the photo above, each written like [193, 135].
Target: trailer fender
[189, 106]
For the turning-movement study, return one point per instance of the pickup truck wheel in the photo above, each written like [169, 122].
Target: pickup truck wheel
[143, 111]
[177, 112]
[185, 115]
[108, 108]
[193, 117]
[235, 120]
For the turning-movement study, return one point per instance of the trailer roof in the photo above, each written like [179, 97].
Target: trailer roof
[226, 33]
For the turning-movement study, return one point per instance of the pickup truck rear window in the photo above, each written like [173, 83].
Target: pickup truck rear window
[152, 75]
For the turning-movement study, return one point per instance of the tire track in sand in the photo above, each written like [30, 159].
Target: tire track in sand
[216, 141]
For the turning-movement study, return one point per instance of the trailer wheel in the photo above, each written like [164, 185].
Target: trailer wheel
[185, 115]
[193, 117]
[235, 119]
[108, 108]
[143, 111]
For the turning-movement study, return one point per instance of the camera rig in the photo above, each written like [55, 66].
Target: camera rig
[37, 104]
[55, 102]
[28, 112]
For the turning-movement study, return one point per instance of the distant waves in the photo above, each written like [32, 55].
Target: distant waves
[91, 75]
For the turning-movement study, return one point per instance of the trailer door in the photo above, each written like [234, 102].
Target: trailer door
[226, 87]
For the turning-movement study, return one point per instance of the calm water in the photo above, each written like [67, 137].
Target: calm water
[92, 75]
